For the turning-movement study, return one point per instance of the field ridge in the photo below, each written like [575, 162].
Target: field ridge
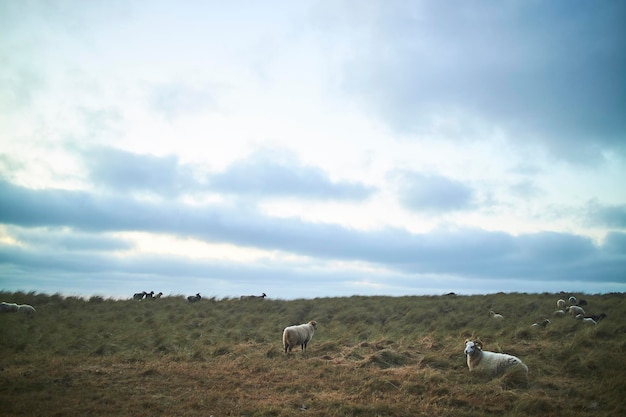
[370, 356]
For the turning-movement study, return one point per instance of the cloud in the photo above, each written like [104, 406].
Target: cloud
[262, 175]
[464, 252]
[270, 175]
[63, 239]
[606, 216]
[176, 100]
[615, 243]
[433, 193]
[123, 171]
[547, 72]
[525, 189]
[18, 86]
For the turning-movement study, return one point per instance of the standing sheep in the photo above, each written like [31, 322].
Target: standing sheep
[491, 363]
[139, 295]
[298, 335]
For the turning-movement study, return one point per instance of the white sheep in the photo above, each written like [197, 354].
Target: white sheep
[560, 304]
[298, 335]
[598, 317]
[587, 320]
[575, 310]
[496, 315]
[572, 300]
[27, 309]
[491, 363]
[194, 298]
[159, 295]
[252, 297]
[542, 324]
[8, 307]
[559, 313]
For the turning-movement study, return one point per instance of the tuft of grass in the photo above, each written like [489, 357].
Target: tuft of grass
[386, 358]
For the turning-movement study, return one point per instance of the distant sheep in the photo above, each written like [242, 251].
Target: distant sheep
[252, 297]
[559, 313]
[150, 295]
[139, 295]
[159, 295]
[560, 304]
[587, 320]
[581, 303]
[572, 300]
[542, 324]
[194, 298]
[575, 310]
[299, 335]
[15, 308]
[490, 363]
[8, 307]
[496, 315]
[26, 309]
[597, 317]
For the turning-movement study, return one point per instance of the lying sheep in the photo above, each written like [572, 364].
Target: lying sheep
[559, 313]
[490, 363]
[8, 307]
[27, 309]
[587, 320]
[572, 300]
[252, 297]
[597, 317]
[560, 304]
[194, 298]
[496, 315]
[542, 324]
[575, 310]
[298, 335]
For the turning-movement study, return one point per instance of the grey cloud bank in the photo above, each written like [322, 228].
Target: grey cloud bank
[403, 257]
[547, 71]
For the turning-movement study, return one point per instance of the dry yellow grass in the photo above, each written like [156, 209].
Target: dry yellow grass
[371, 356]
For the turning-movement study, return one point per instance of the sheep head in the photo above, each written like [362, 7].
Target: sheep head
[472, 345]
[313, 323]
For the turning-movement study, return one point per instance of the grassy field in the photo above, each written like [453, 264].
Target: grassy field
[370, 356]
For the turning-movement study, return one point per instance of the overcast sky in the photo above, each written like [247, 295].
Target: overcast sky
[312, 148]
